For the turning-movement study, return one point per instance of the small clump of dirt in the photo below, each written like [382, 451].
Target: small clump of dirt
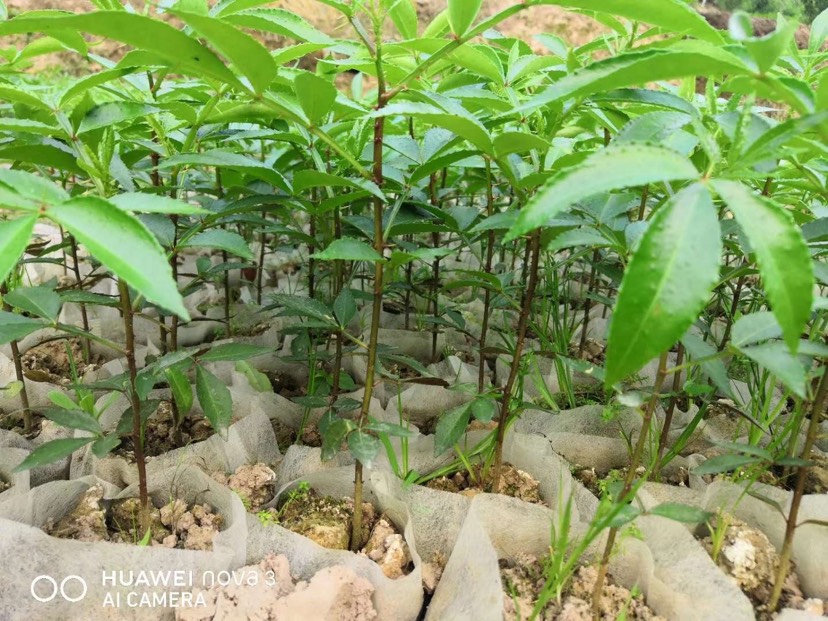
[328, 521]
[751, 561]
[254, 483]
[160, 434]
[513, 482]
[523, 582]
[268, 592]
[593, 352]
[51, 362]
[175, 525]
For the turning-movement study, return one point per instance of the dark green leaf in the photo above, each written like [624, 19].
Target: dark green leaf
[348, 249]
[681, 513]
[234, 351]
[215, 399]
[52, 451]
[73, 419]
[40, 301]
[14, 237]
[450, 428]
[364, 447]
[181, 390]
[724, 463]
[15, 327]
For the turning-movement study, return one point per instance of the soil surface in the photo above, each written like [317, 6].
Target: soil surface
[514, 482]
[523, 581]
[175, 525]
[268, 592]
[328, 521]
[254, 483]
[160, 435]
[4, 485]
[751, 561]
[51, 362]
[597, 484]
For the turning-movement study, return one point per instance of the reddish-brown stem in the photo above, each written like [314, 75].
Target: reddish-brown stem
[668, 415]
[533, 247]
[18, 370]
[135, 402]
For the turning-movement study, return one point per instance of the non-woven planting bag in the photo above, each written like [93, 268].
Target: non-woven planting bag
[250, 440]
[399, 599]
[498, 527]
[48, 472]
[19, 482]
[104, 578]
[810, 544]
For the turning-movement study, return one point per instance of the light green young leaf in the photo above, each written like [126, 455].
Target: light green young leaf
[713, 368]
[183, 53]
[612, 168]
[14, 237]
[73, 419]
[124, 245]
[344, 306]
[316, 95]
[223, 240]
[819, 31]
[404, 15]
[52, 451]
[767, 49]
[348, 249]
[258, 381]
[667, 282]
[14, 327]
[281, 22]
[40, 301]
[783, 257]
[250, 57]
[215, 399]
[33, 186]
[461, 15]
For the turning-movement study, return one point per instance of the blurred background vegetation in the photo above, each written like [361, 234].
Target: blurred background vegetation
[804, 10]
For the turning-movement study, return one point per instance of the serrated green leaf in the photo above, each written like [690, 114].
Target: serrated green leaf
[754, 328]
[484, 409]
[141, 202]
[234, 351]
[73, 419]
[14, 327]
[667, 282]
[304, 307]
[461, 15]
[364, 447]
[14, 237]
[724, 463]
[316, 95]
[344, 306]
[777, 358]
[109, 114]
[612, 168]
[52, 451]
[215, 399]
[713, 368]
[228, 159]
[103, 446]
[681, 513]
[124, 245]
[783, 257]
[391, 429]
[332, 437]
[250, 57]
[348, 249]
[221, 239]
[40, 301]
[183, 53]
[181, 390]
[450, 428]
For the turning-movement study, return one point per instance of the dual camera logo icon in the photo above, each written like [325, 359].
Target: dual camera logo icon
[71, 588]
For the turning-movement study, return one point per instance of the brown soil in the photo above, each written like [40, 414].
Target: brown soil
[175, 525]
[523, 582]
[50, 361]
[514, 482]
[751, 561]
[761, 25]
[255, 484]
[287, 436]
[4, 485]
[267, 591]
[160, 433]
[285, 385]
[328, 521]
